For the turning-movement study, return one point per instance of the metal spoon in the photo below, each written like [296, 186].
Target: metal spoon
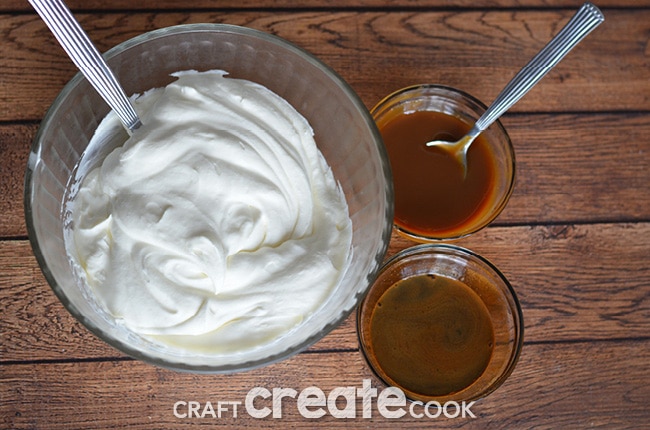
[83, 53]
[583, 22]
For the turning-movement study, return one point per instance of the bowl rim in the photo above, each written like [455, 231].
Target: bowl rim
[466, 254]
[179, 365]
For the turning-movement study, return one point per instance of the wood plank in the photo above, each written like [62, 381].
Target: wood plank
[99, 5]
[552, 386]
[19, 5]
[567, 170]
[473, 50]
[575, 282]
[15, 141]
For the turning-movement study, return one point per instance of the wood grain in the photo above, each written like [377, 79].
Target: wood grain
[477, 51]
[15, 141]
[21, 5]
[575, 283]
[552, 386]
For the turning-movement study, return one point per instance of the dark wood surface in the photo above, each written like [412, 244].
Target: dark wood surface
[574, 239]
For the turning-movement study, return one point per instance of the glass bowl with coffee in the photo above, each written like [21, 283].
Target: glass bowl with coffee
[441, 323]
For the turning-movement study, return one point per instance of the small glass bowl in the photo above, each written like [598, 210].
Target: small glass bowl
[484, 279]
[494, 139]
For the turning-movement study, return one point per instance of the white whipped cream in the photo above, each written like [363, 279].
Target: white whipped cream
[218, 226]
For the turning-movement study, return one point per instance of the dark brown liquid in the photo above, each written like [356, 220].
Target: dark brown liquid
[431, 335]
[432, 197]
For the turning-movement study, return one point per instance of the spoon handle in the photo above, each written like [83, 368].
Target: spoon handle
[587, 18]
[83, 53]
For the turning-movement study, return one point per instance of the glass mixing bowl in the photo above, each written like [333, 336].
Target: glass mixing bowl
[344, 131]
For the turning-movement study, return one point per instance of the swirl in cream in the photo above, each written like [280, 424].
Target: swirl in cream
[218, 225]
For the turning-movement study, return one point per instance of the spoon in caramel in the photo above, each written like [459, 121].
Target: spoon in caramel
[587, 18]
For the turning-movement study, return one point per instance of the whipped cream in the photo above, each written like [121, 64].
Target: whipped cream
[218, 226]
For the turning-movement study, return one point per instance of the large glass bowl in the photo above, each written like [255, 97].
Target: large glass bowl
[344, 131]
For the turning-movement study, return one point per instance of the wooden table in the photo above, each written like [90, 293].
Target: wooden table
[574, 239]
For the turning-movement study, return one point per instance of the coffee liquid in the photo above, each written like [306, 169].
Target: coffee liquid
[431, 335]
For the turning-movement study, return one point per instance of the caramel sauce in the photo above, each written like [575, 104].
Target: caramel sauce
[432, 196]
[431, 335]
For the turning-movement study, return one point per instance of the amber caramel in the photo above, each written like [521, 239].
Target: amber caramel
[433, 197]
